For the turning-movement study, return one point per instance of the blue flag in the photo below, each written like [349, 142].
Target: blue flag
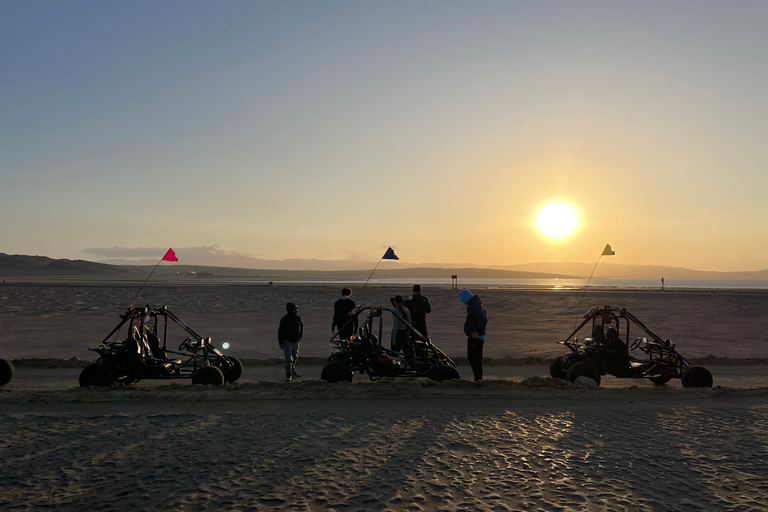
[390, 255]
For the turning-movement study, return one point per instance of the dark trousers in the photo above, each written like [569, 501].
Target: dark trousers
[401, 336]
[475, 356]
[347, 330]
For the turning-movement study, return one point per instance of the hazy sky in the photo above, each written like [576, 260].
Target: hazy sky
[331, 130]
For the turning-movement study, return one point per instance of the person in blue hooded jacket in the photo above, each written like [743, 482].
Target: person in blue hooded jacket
[474, 328]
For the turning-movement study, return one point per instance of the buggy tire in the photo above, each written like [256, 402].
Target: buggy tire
[126, 379]
[235, 372]
[556, 368]
[696, 377]
[96, 375]
[124, 375]
[661, 379]
[584, 369]
[208, 376]
[441, 373]
[336, 371]
[6, 372]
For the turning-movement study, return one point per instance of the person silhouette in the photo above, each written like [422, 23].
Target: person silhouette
[474, 328]
[342, 324]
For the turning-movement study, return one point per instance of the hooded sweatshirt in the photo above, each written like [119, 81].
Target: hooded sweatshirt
[476, 318]
[291, 327]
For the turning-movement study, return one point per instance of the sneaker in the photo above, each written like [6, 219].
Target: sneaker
[287, 377]
[294, 374]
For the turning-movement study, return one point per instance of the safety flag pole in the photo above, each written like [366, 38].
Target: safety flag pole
[169, 256]
[607, 251]
[388, 255]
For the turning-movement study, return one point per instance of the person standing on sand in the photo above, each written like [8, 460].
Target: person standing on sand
[342, 323]
[474, 328]
[419, 306]
[289, 334]
[400, 330]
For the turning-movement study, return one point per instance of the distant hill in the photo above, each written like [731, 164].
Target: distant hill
[30, 266]
[10, 264]
[274, 270]
[20, 265]
[336, 275]
[529, 270]
[246, 262]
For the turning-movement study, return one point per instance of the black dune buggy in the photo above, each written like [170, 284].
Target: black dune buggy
[6, 372]
[649, 357]
[364, 354]
[144, 354]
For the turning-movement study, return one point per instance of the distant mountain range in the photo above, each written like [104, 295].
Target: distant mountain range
[20, 265]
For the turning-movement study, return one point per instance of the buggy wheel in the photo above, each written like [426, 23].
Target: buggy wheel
[6, 372]
[441, 373]
[556, 368]
[126, 379]
[124, 375]
[661, 379]
[584, 369]
[234, 371]
[208, 376]
[696, 377]
[96, 375]
[336, 371]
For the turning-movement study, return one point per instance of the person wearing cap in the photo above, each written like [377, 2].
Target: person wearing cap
[342, 323]
[289, 334]
[474, 328]
[419, 307]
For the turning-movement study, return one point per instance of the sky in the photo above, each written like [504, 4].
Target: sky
[335, 129]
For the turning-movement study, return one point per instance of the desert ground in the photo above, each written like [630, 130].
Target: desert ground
[519, 440]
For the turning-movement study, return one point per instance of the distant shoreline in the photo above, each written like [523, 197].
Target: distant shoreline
[708, 286]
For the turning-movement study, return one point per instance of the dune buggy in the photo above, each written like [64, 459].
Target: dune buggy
[649, 356]
[6, 372]
[365, 354]
[144, 354]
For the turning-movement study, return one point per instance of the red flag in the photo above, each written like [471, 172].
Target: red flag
[170, 256]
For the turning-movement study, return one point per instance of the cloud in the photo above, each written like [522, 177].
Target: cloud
[354, 255]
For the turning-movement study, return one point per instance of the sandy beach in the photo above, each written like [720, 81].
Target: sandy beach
[517, 441]
[404, 446]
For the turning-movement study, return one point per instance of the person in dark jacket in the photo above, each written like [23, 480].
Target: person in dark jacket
[419, 307]
[342, 323]
[474, 328]
[289, 334]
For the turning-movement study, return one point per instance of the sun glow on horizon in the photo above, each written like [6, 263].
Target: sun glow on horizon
[557, 220]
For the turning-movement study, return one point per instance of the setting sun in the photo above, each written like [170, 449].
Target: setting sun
[556, 220]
